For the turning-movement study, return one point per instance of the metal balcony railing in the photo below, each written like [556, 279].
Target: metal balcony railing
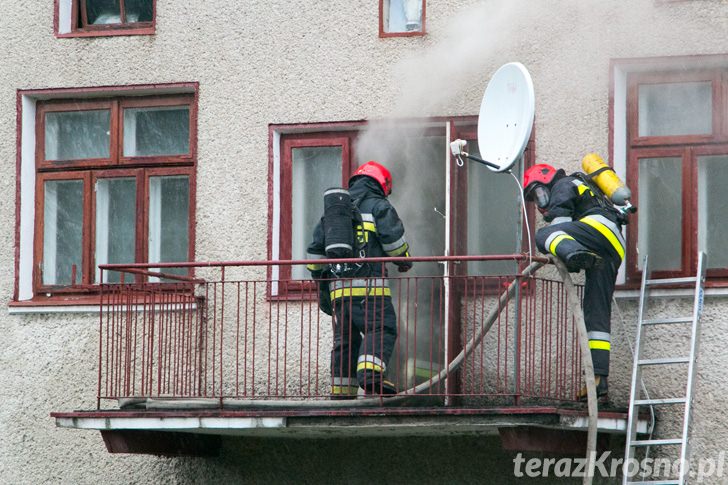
[245, 333]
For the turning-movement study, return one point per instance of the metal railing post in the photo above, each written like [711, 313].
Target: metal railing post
[517, 342]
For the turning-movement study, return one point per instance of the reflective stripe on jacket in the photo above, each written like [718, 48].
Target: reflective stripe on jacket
[359, 287]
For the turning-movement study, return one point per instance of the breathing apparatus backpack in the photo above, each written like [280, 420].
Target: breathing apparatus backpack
[601, 198]
[602, 176]
[342, 224]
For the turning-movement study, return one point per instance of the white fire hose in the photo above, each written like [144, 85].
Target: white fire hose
[591, 387]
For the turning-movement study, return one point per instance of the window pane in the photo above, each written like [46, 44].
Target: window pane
[115, 224]
[676, 109]
[315, 169]
[712, 209]
[62, 231]
[103, 12]
[494, 216]
[138, 10]
[403, 15]
[660, 213]
[169, 204]
[156, 131]
[74, 135]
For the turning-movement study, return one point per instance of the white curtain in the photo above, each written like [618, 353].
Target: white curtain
[130, 132]
[413, 14]
[50, 233]
[155, 222]
[403, 16]
[102, 228]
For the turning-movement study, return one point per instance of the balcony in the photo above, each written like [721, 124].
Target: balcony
[206, 349]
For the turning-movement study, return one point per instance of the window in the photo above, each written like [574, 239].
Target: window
[315, 165]
[312, 160]
[114, 184]
[104, 17]
[399, 18]
[677, 165]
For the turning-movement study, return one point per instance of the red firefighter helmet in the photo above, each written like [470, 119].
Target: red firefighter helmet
[541, 173]
[537, 181]
[377, 172]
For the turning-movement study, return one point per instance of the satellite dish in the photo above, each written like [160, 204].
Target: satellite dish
[506, 116]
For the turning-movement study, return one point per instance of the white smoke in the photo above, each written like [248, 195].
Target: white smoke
[562, 42]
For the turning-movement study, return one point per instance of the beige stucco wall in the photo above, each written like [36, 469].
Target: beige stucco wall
[297, 61]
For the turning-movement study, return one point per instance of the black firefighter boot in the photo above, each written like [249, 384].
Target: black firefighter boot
[381, 388]
[578, 260]
[602, 390]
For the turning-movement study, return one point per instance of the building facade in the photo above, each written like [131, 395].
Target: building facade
[167, 131]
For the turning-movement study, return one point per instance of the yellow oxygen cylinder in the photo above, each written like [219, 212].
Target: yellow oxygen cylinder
[606, 180]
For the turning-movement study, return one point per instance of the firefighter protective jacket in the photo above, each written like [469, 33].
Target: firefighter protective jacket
[382, 231]
[571, 198]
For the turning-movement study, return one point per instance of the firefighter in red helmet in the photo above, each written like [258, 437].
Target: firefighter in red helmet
[586, 234]
[365, 323]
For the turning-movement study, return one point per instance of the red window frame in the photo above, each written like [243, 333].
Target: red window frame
[83, 277]
[141, 222]
[288, 144]
[686, 147]
[415, 33]
[191, 173]
[116, 146]
[91, 170]
[637, 80]
[70, 106]
[157, 102]
[81, 28]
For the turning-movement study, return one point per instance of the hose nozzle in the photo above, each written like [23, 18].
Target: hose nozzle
[628, 208]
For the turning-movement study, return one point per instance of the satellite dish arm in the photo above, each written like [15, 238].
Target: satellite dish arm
[458, 148]
[480, 160]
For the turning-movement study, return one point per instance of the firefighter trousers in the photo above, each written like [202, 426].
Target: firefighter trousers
[603, 237]
[365, 331]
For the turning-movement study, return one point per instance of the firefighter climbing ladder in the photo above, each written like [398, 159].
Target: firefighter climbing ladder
[676, 360]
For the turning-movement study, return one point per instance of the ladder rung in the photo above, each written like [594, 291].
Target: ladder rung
[671, 281]
[674, 360]
[656, 482]
[650, 402]
[659, 321]
[676, 441]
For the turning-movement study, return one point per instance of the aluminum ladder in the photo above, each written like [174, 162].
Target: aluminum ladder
[635, 401]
